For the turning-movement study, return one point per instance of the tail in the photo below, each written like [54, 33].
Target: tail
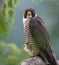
[50, 57]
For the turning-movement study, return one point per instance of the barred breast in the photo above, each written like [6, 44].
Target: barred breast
[30, 45]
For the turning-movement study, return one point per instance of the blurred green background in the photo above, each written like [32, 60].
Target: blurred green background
[12, 36]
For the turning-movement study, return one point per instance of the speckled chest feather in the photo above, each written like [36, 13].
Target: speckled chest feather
[30, 44]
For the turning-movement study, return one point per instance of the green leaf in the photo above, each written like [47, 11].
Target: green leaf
[4, 27]
[5, 12]
[2, 47]
[12, 19]
[14, 50]
[10, 4]
[10, 12]
[12, 60]
[11, 15]
[7, 16]
[15, 2]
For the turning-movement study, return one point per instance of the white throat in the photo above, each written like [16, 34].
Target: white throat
[24, 19]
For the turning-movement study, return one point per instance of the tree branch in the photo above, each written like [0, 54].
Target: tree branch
[33, 61]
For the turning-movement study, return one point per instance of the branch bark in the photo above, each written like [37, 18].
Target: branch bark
[33, 61]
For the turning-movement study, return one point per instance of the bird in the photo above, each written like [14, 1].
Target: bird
[38, 42]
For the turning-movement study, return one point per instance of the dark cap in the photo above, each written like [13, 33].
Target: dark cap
[29, 9]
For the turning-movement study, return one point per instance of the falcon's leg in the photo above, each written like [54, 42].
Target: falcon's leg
[34, 53]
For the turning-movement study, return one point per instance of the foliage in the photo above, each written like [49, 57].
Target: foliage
[8, 9]
[10, 54]
[7, 16]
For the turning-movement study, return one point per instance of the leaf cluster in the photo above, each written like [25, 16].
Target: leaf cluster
[10, 54]
[7, 16]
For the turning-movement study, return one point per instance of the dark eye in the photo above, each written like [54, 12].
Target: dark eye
[29, 14]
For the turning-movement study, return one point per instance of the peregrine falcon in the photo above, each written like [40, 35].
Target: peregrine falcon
[38, 42]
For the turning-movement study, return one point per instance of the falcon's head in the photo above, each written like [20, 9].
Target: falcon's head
[29, 13]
